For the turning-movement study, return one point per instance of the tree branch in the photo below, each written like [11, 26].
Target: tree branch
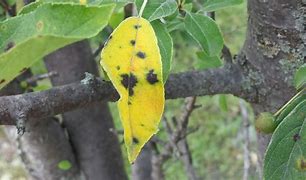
[246, 134]
[65, 98]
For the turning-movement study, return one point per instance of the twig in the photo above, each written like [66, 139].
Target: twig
[65, 98]
[227, 55]
[10, 10]
[177, 142]
[98, 50]
[246, 124]
[211, 14]
[116, 132]
[183, 146]
[40, 77]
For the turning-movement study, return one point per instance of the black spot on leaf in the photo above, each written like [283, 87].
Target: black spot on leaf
[296, 137]
[109, 38]
[141, 55]
[118, 68]
[137, 26]
[152, 77]
[2, 81]
[135, 140]
[125, 80]
[133, 42]
[129, 81]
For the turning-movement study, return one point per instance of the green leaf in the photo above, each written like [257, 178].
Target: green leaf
[213, 5]
[286, 154]
[156, 9]
[32, 6]
[205, 31]
[116, 18]
[119, 3]
[223, 102]
[300, 77]
[289, 106]
[11, 2]
[175, 24]
[64, 165]
[188, 7]
[27, 38]
[205, 61]
[165, 45]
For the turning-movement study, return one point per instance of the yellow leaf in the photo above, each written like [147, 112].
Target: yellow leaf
[132, 60]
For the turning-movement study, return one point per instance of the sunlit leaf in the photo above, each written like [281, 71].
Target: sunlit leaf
[27, 38]
[132, 61]
[32, 6]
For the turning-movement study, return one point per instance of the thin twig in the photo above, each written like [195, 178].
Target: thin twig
[227, 55]
[183, 146]
[177, 143]
[40, 77]
[246, 125]
[98, 50]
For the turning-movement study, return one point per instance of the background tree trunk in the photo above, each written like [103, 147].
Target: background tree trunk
[44, 144]
[97, 148]
[273, 50]
[142, 169]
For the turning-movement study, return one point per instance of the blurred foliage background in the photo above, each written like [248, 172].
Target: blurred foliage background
[216, 146]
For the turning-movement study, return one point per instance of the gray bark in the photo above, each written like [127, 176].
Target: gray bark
[157, 168]
[142, 169]
[273, 50]
[97, 148]
[55, 101]
[44, 145]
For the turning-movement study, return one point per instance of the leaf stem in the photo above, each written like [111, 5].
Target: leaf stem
[142, 7]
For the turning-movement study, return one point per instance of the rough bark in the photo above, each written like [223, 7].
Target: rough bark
[43, 147]
[97, 149]
[273, 50]
[142, 169]
[44, 143]
[55, 101]
[157, 168]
